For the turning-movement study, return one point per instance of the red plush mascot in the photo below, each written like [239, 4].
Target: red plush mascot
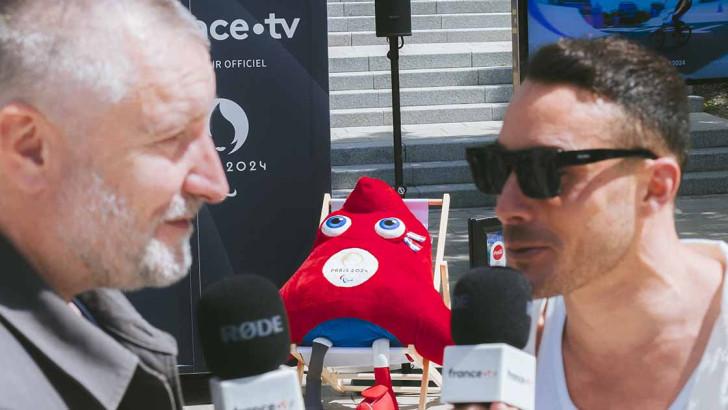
[368, 280]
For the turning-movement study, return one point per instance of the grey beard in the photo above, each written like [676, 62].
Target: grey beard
[101, 230]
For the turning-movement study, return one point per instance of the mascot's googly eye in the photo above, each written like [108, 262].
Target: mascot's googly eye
[389, 228]
[335, 225]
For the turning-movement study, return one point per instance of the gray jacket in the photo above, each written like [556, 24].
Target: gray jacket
[51, 358]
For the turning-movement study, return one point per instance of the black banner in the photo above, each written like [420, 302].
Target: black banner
[270, 124]
[271, 127]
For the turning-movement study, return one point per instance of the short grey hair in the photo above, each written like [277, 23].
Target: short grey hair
[55, 52]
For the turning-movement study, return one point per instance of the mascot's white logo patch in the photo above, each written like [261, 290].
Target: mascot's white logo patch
[350, 267]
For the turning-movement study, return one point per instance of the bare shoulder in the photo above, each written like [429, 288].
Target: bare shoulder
[716, 251]
[706, 258]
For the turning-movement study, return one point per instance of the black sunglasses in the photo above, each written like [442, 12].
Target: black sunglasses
[537, 169]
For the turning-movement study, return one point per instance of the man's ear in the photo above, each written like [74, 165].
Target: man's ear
[663, 181]
[25, 139]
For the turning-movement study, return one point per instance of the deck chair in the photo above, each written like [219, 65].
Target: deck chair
[343, 365]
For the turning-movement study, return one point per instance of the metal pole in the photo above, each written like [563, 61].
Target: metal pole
[393, 56]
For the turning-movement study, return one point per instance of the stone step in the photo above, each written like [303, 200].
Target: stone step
[426, 22]
[358, 138]
[707, 159]
[421, 56]
[438, 142]
[461, 195]
[466, 35]
[431, 114]
[421, 96]
[704, 183]
[414, 174]
[366, 8]
[708, 130]
[420, 143]
[440, 77]
[696, 103]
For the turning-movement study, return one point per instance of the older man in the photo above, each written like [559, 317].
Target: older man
[586, 168]
[105, 159]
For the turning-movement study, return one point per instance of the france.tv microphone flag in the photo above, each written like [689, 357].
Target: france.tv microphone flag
[245, 340]
[490, 325]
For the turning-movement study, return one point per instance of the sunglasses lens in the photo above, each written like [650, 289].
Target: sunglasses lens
[536, 170]
[489, 168]
[538, 176]
[498, 170]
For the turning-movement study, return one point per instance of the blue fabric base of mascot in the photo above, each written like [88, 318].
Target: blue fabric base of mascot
[350, 332]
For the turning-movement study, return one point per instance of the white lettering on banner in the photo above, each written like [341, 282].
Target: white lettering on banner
[238, 29]
[272, 23]
[213, 30]
[240, 63]
[251, 330]
[245, 166]
[235, 116]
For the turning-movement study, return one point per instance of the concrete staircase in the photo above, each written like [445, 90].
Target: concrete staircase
[455, 80]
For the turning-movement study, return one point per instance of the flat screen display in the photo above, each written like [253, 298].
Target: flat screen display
[692, 34]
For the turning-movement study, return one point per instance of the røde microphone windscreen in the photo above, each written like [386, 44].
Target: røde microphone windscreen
[243, 327]
[490, 306]
[490, 324]
[245, 339]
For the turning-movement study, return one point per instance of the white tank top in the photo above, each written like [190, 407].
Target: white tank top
[710, 392]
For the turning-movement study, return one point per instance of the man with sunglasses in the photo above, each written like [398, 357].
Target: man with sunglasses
[586, 169]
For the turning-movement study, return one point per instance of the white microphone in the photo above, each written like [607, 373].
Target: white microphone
[245, 340]
[277, 389]
[490, 325]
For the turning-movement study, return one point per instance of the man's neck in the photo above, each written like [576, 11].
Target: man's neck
[652, 316]
[631, 307]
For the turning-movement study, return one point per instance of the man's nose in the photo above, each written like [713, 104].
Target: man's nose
[206, 179]
[512, 206]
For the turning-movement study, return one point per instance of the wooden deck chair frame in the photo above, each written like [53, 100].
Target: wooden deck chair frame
[340, 378]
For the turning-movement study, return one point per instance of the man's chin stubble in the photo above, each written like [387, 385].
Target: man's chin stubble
[162, 266]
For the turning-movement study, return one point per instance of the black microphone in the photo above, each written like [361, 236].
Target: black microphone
[490, 325]
[245, 340]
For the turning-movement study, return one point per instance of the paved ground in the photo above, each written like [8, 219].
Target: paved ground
[696, 217]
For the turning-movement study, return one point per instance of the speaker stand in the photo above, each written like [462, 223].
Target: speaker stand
[393, 56]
